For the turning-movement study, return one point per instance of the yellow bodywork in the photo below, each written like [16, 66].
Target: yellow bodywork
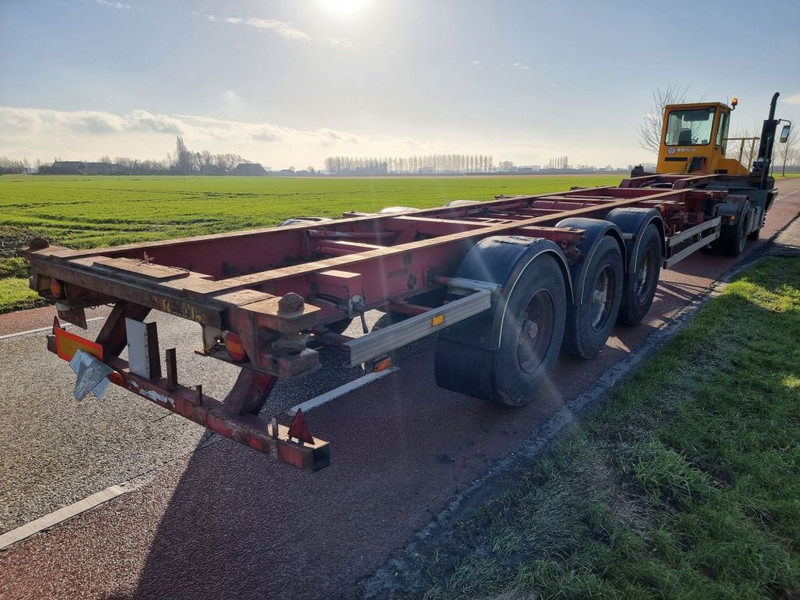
[694, 140]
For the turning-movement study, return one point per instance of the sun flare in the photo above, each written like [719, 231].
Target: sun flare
[344, 7]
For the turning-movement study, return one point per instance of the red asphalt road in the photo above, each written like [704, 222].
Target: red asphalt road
[228, 522]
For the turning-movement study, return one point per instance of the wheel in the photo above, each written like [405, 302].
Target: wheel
[532, 332]
[589, 324]
[732, 239]
[530, 323]
[303, 220]
[753, 235]
[391, 210]
[639, 288]
[454, 203]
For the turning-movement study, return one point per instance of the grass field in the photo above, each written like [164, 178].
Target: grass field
[684, 485]
[86, 212]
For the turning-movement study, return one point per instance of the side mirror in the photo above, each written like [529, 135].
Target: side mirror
[785, 133]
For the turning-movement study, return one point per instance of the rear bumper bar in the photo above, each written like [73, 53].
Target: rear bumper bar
[267, 437]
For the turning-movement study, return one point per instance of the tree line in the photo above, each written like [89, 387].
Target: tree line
[436, 164]
[186, 162]
[11, 167]
[183, 162]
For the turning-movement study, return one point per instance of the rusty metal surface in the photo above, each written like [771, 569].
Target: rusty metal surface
[235, 417]
[233, 422]
[82, 267]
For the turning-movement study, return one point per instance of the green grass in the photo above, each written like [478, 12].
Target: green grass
[90, 211]
[684, 485]
[15, 294]
[13, 267]
[87, 212]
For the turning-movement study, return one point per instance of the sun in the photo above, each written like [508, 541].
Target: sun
[344, 7]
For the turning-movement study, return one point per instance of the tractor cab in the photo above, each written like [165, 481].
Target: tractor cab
[694, 139]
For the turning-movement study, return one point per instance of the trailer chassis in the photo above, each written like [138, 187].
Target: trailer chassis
[263, 296]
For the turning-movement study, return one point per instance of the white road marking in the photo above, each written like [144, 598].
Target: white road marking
[54, 518]
[40, 330]
[339, 391]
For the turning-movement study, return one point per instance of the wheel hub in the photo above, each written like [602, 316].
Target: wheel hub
[601, 298]
[643, 275]
[530, 329]
[535, 331]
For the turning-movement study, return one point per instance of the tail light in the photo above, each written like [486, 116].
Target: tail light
[56, 289]
[235, 347]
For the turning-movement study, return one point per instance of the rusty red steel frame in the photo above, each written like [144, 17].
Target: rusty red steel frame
[274, 289]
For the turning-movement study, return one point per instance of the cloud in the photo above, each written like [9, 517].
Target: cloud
[284, 30]
[83, 122]
[516, 65]
[793, 99]
[113, 4]
[231, 98]
[141, 120]
[96, 123]
[266, 133]
[342, 42]
[84, 135]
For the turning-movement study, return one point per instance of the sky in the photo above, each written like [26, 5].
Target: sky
[288, 83]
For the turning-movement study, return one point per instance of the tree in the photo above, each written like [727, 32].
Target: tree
[786, 150]
[653, 121]
[184, 158]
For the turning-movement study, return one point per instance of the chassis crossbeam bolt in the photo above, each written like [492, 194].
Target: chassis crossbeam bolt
[290, 303]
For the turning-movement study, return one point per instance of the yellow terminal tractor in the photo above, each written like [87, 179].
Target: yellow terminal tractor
[695, 143]
[694, 139]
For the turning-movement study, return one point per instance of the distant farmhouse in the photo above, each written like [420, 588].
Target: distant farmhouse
[68, 167]
[79, 167]
[211, 170]
[249, 169]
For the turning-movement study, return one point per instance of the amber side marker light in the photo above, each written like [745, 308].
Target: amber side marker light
[382, 364]
[56, 289]
[234, 347]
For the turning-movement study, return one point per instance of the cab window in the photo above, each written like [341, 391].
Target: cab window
[722, 132]
[690, 127]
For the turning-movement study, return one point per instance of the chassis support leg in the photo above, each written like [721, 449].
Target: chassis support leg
[112, 336]
[249, 393]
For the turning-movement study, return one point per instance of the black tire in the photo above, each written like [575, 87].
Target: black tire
[640, 287]
[732, 239]
[754, 235]
[589, 324]
[533, 320]
[505, 354]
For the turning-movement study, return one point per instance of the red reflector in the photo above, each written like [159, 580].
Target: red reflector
[56, 289]
[298, 429]
[235, 348]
